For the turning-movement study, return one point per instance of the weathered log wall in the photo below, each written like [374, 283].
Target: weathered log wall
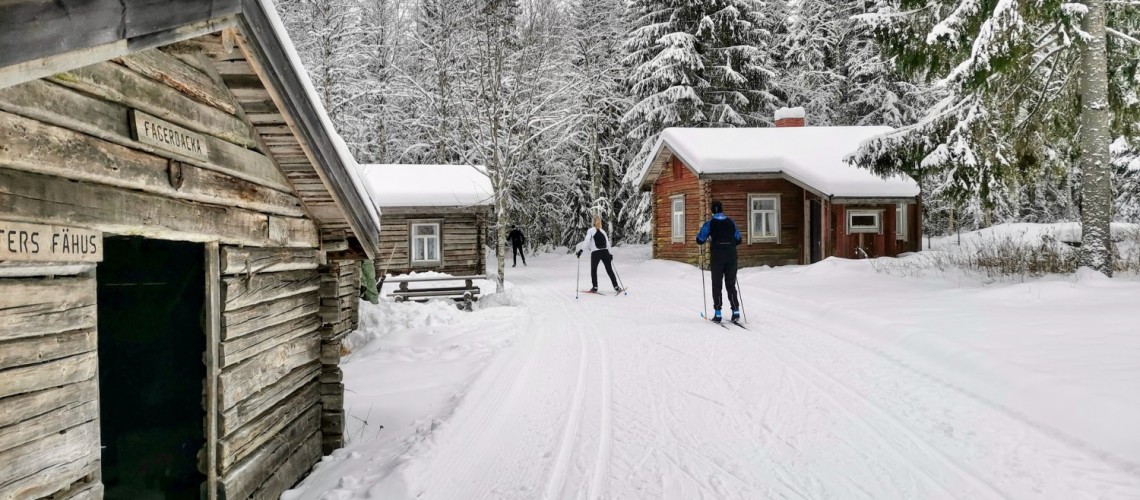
[462, 240]
[340, 314]
[268, 390]
[49, 413]
[69, 157]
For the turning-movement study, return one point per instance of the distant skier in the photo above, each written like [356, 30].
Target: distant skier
[517, 241]
[598, 243]
[723, 236]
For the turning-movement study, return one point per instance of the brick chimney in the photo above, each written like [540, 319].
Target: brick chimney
[790, 117]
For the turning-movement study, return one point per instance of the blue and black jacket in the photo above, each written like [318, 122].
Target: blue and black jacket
[721, 233]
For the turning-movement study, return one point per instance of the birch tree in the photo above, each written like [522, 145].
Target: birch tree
[1027, 86]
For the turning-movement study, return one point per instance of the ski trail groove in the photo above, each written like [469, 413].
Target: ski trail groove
[557, 479]
[602, 461]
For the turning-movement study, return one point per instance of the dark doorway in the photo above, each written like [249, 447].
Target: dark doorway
[151, 343]
[815, 238]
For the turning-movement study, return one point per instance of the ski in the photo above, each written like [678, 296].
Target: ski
[621, 292]
[738, 324]
[720, 324]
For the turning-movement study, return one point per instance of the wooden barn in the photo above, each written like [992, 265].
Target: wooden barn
[435, 217]
[792, 195]
[180, 231]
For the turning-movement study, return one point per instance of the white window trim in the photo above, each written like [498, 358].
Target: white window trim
[901, 225]
[878, 229]
[673, 218]
[412, 244]
[752, 237]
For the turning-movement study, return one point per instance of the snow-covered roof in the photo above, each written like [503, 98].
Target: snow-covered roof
[428, 185]
[811, 156]
[341, 148]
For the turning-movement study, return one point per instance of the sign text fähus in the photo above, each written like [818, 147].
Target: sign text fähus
[47, 243]
[165, 135]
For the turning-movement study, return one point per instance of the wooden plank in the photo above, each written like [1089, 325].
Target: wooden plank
[46, 199]
[116, 83]
[263, 370]
[180, 76]
[33, 307]
[235, 447]
[250, 319]
[9, 269]
[32, 146]
[293, 469]
[57, 105]
[31, 350]
[26, 468]
[242, 480]
[19, 408]
[244, 347]
[51, 374]
[53, 422]
[237, 260]
[251, 408]
[239, 292]
[89, 491]
[213, 277]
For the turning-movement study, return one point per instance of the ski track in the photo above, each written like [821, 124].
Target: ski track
[668, 407]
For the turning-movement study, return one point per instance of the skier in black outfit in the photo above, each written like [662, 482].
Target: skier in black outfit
[598, 243]
[723, 236]
[517, 241]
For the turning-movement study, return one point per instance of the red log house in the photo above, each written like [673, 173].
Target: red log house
[792, 195]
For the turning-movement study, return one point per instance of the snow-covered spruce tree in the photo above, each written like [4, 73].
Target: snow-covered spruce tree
[1126, 160]
[596, 151]
[699, 64]
[439, 43]
[1027, 84]
[375, 96]
[512, 91]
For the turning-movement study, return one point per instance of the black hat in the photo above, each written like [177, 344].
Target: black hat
[717, 208]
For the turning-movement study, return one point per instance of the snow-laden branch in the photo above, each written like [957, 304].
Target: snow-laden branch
[1122, 36]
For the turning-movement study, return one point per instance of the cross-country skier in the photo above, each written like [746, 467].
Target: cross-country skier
[723, 236]
[598, 243]
[517, 241]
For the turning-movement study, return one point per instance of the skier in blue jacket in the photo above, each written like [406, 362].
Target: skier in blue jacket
[723, 236]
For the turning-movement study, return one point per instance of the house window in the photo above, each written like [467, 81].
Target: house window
[900, 222]
[425, 243]
[864, 221]
[678, 218]
[764, 218]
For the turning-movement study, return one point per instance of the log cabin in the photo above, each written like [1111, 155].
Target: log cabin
[794, 198]
[435, 217]
[181, 228]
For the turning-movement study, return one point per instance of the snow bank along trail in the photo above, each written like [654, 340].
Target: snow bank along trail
[636, 397]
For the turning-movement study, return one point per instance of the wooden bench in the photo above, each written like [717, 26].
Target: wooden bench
[465, 294]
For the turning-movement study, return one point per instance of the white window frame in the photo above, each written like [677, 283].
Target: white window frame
[900, 221]
[673, 213]
[877, 214]
[438, 239]
[753, 237]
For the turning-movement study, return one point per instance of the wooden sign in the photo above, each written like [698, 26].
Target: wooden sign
[47, 243]
[165, 135]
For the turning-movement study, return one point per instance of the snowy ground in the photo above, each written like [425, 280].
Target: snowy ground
[849, 384]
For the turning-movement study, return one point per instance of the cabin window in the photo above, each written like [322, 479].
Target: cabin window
[864, 221]
[425, 243]
[900, 222]
[678, 218]
[764, 218]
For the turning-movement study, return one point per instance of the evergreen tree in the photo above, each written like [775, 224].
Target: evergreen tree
[699, 64]
[1028, 87]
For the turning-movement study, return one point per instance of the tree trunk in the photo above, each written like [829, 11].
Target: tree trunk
[1096, 183]
[501, 237]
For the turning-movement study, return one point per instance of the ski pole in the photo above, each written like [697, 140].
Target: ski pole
[578, 279]
[617, 274]
[704, 294]
[740, 297]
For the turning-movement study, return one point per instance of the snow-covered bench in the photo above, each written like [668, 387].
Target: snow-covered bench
[465, 294]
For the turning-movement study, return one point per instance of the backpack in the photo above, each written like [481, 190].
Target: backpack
[599, 240]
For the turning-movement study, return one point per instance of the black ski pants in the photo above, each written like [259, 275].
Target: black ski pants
[723, 267]
[518, 250]
[601, 256]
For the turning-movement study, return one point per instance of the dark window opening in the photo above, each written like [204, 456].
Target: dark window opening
[151, 345]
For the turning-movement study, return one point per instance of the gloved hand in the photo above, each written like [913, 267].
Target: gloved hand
[579, 254]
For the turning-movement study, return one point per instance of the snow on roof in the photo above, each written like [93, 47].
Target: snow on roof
[813, 156]
[342, 150]
[429, 185]
[790, 113]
